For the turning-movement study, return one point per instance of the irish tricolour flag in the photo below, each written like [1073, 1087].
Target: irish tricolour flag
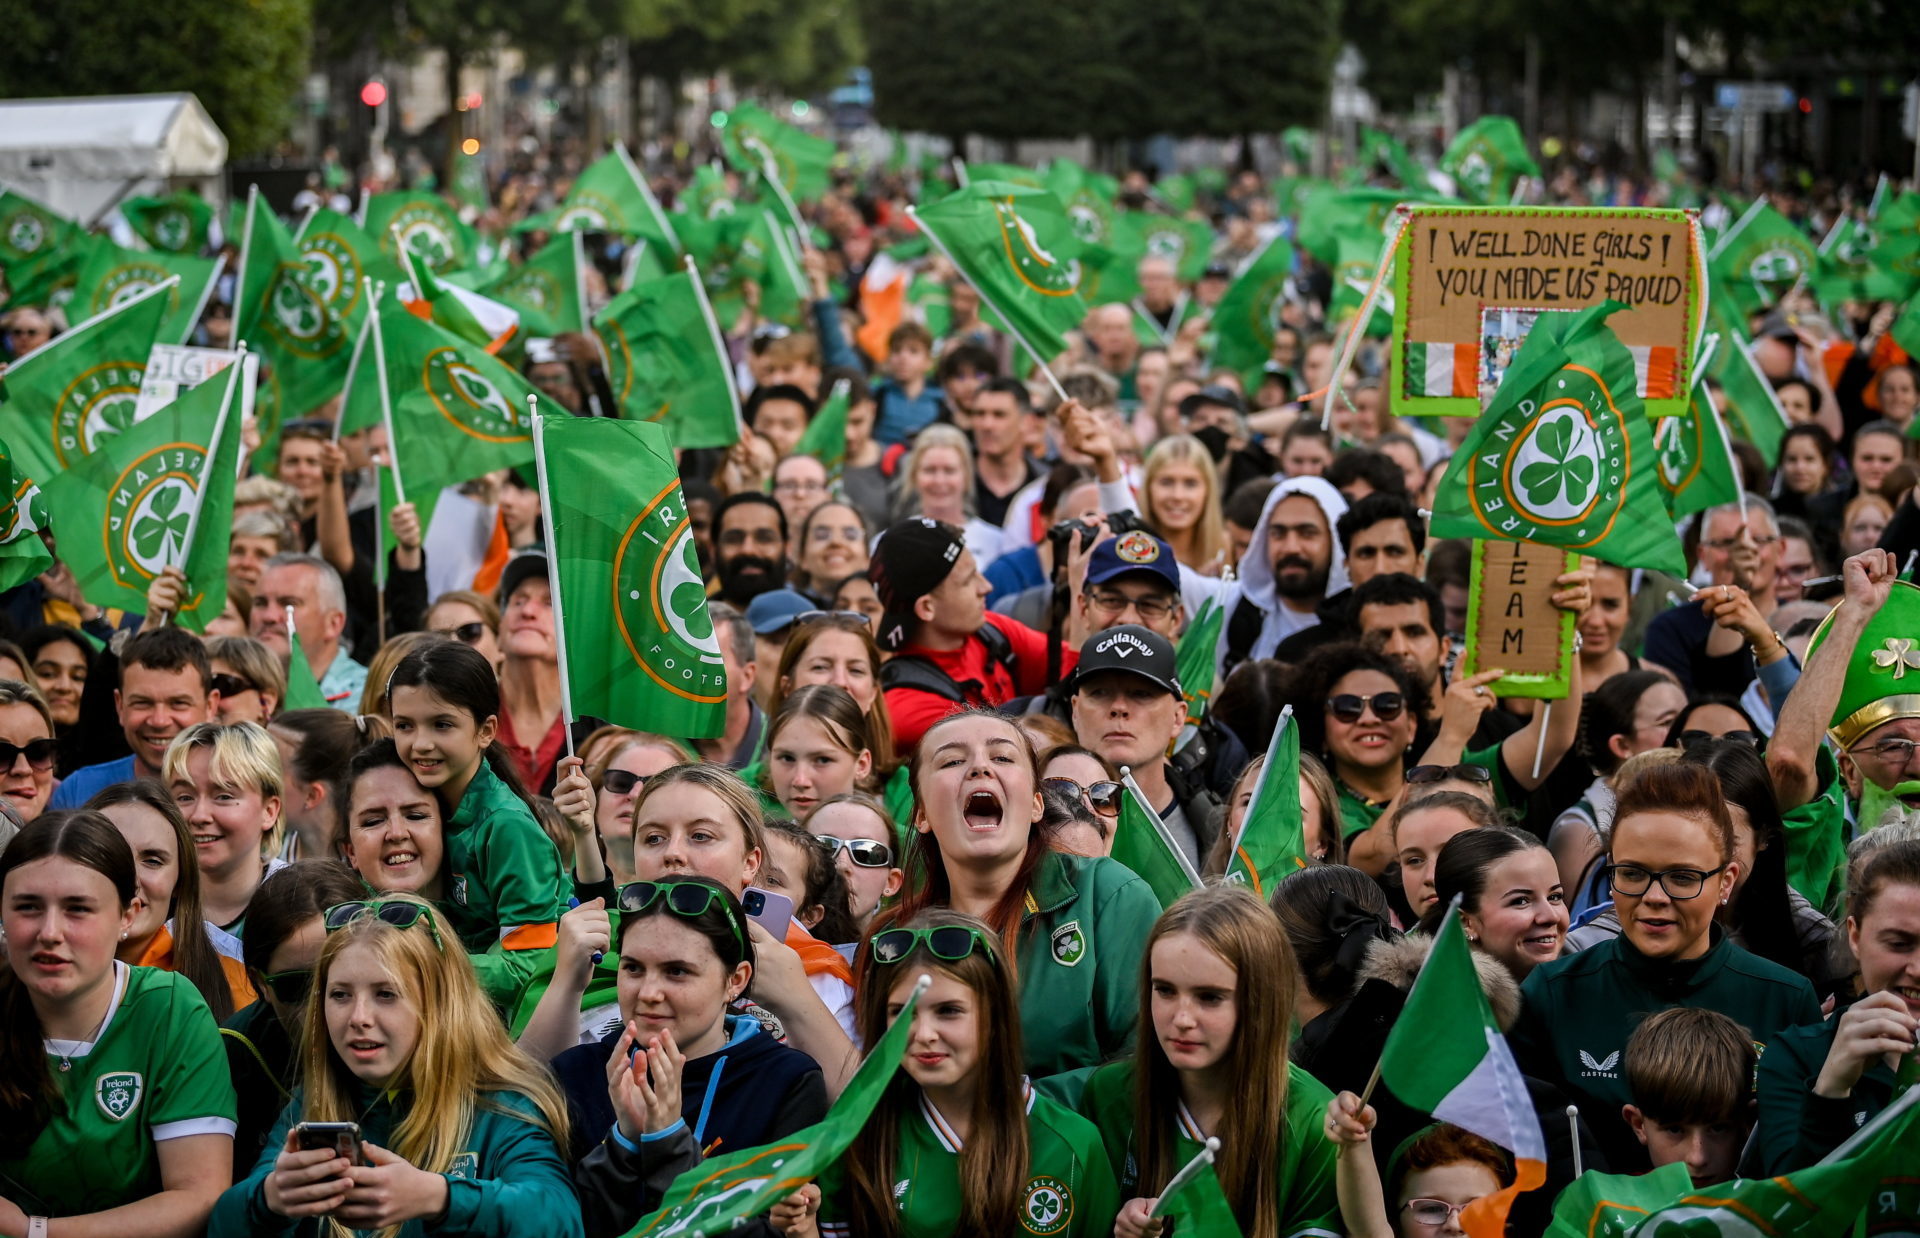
[1446, 1056]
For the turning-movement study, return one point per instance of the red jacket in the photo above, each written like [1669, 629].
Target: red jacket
[984, 681]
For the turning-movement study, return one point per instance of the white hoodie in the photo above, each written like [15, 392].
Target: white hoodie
[1256, 566]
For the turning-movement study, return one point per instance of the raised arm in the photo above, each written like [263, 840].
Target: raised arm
[1803, 720]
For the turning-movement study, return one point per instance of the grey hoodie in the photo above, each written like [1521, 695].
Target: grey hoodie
[1256, 566]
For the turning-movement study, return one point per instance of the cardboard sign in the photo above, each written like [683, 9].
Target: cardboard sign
[173, 368]
[1512, 622]
[1469, 282]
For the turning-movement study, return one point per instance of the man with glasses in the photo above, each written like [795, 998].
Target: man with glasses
[165, 687]
[1128, 708]
[749, 547]
[1712, 647]
[27, 328]
[1861, 690]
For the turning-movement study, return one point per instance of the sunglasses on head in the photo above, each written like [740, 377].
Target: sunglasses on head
[40, 753]
[949, 943]
[290, 988]
[686, 899]
[621, 782]
[1103, 797]
[864, 852]
[229, 685]
[838, 616]
[1693, 739]
[1449, 773]
[1349, 707]
[398, 914]
[465, 633]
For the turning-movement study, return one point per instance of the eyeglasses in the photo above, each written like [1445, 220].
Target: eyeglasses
[465, 633]
[290, 988]
[798, 485]
[1155, 608]
[1679, 883]
[1349, 708]
[686, 899]
[1893, 752]
[1432, 1213]
[400, 915]
[229, 685]
[40, 753]
[948, 942]
[1103, 797]
[1693, 739]
[1728, 543]
[864, 852]
[1449, 773]
[824, 533]
[838, 616]
[621, 782]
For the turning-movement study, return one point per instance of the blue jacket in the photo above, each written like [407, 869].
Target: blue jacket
[509, 1182]
[899, 417]
[81, 785]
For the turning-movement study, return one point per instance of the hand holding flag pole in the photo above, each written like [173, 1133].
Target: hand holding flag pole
[553, 565]
[1188, 1172]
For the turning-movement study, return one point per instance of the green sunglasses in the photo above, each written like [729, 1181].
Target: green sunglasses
[399, 915]
[947, 942]
[687, 899]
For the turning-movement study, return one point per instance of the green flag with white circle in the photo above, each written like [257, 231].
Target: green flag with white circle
[1018, 247]
[179, 223]
[1564, 455]
[112, 275]
[640, 647]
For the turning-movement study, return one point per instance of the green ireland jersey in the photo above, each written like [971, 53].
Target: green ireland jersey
[1067, 1190]
[1303, 1172]
[155, 1072]
[505, 879]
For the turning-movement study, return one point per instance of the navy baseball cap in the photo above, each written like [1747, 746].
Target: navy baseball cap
[776, 609]
[1138, 551]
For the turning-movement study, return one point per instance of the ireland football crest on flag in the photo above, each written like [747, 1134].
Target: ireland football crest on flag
[125, 281]
[333, 272]
[96, 405]
[588, 211]
[423, 230]
[470, 400]
[172, 229]
[1028, 258]
[660, 603]
[149, 509]
[297, 316]
[118, 1093]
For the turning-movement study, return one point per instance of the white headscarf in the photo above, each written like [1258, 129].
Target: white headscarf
[1256, 566]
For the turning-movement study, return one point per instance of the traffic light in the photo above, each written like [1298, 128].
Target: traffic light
[374, 93]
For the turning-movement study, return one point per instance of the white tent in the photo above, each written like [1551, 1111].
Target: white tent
[83, 156]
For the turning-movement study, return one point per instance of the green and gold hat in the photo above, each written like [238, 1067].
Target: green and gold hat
[1883, 680]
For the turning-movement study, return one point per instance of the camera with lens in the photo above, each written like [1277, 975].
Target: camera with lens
[1061, 534]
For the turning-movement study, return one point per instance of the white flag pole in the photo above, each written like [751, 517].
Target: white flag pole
[1357, 328]
[553, 566]
[386, 397]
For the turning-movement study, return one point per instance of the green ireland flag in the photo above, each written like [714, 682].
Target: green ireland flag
[29, 230]
[707, 195]
[640, 648]
[285, 317]
[667, 363]
[1749, 404]
[1197, 657]
[610, 196]
[548, 288]
[1359, 261]
[1564, 455]
[1905, 332]
[1597, 1205]
[1194, 1202]
[1896, 240]
[1325, 215]
[1088, 197]
[303, 685]
[1845, 271]
[1012, 173]
[157, 495]
[802, 159]
[1381, 149]
[70, 395]
[180, 223]
[766, 255]
[1188, 242]
[724, 1192]
[1486, 159]
[1248, 313]
[424, 223]
[49, 277]
[1272, 843]
[1017, 247]
[825, 438]
[23, 555]
[1696, 466]
[1760, 258]
[340, 258]
[111, 274]
[1141, 842]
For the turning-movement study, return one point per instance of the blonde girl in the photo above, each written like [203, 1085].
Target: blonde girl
[1181, 501]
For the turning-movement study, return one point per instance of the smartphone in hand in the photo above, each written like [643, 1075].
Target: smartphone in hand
[343, 1138]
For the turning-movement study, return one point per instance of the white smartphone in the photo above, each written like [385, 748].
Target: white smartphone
[770, 909]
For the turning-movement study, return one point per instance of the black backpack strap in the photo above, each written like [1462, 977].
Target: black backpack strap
[921, 675]
[1243, 629]
[999, 648]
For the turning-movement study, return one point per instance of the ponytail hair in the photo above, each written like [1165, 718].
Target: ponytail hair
[29, 1097]
[462, 677]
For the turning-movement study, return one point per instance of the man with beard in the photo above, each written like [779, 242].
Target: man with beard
[749, 547]
[1292, 566]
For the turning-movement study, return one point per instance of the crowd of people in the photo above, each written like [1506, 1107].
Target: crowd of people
[544, 965]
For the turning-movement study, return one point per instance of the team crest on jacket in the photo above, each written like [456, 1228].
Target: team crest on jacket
[1047, 1206]
[1556, 463]
[118, 1093]
[1069, 946]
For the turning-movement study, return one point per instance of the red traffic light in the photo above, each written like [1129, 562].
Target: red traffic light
[374, 93]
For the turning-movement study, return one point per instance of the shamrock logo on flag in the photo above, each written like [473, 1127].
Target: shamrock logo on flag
[1565, 463]
[160, 524]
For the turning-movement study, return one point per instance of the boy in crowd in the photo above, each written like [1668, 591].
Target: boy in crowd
[1691, 1073]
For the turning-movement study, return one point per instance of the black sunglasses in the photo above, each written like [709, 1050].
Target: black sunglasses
[398, 914]
[864, 852]
[229, 685]
[465, 633]
[621, 782]
[686, 899]
[40, 753]
[290, 988]
[1693, 739]
[1449, 773]
[1103, 797]
[1349, 707]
